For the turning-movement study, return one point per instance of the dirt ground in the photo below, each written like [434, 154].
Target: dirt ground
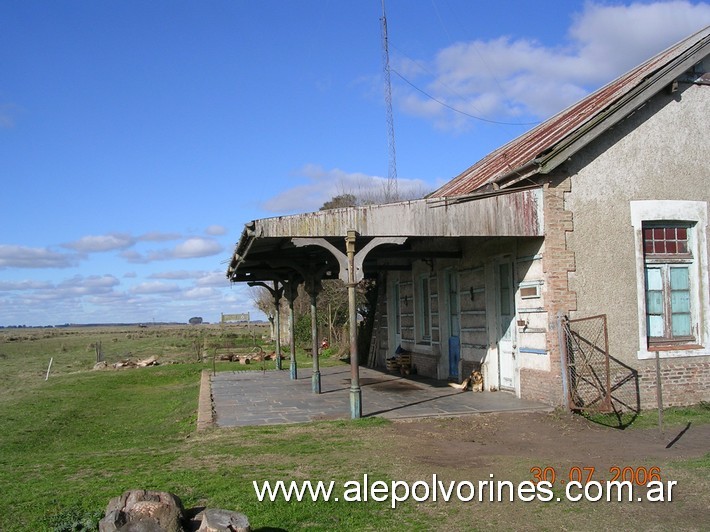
[517, 446]
[553, 437]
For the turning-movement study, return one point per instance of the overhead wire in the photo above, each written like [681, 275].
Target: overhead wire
[442, 103]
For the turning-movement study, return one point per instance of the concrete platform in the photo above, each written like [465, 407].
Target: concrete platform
[270, 397]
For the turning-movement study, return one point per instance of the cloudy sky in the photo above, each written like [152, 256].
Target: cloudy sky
[137, 138]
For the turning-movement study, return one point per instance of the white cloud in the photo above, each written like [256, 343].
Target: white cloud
[194, 247]
[23, 285]
[197, 247]
[216, 230]
[517, 80]
[100, 243]
[324, 184]
[68, 289]
[12, 256]
[202, 293]
[7, 119]
[215, 279]
[157, 236]
[178, 275]
[154, 287]
[81, 286]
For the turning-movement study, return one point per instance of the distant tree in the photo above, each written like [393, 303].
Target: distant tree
[340, 201]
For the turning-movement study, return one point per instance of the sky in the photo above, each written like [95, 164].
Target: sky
[137, 138]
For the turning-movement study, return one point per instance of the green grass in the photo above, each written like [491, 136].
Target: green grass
[71, 443]
[672, 417]
[78, 440]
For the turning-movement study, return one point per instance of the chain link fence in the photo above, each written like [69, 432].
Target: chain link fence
[597, 381]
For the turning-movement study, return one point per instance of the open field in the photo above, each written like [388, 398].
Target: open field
[71, 443]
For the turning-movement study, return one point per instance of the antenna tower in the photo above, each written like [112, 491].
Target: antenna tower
[391, 193]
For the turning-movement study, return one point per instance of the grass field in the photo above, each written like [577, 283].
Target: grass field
[69, 444]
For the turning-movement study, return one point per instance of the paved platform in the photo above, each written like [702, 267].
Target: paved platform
[243, 398]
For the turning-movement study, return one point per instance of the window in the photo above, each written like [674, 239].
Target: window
[397, 310]
[672, 277]
[667, 267]
[425, 314]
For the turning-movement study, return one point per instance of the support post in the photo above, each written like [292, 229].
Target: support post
[277, 322]
[315, 378]
[351, 272]
[291, 292]
[276, 293]
[313, 288]
[355, 391]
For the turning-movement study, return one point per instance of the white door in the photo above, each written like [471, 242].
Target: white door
[506, 326]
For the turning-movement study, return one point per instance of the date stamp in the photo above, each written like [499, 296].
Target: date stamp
[581, 482]
[639, 476]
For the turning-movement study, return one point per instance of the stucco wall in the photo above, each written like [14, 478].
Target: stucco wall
[659, 153]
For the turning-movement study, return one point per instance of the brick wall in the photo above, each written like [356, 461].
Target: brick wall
[683, 382]
[557, 262]
[542, 386]
[426, 364]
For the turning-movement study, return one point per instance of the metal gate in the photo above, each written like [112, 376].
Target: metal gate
[586, 350]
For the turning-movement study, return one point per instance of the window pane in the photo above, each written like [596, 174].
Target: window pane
[425, 302]
[654, 302]
[655, 326]
[681, 324]
[680, 301]
[654, 280]
[679, 278]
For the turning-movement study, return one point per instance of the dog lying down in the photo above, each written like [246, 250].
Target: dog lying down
[473, 381]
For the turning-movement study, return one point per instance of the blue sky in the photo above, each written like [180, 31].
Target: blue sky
[137, 138]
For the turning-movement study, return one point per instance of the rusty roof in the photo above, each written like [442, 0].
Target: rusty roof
[544, 147]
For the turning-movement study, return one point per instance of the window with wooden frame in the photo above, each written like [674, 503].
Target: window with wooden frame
[425, 310]
[668, 263]
[671, 263]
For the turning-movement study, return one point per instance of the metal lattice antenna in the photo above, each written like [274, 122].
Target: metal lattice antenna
[391, 193]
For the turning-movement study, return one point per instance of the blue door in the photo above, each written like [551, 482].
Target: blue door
[452, 289]
[454, 356]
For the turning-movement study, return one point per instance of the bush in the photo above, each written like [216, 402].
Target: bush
[75, 519]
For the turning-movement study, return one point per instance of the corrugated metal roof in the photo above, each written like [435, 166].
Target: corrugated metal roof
[526, 155]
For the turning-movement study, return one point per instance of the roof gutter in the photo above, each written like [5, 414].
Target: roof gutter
[242, 249]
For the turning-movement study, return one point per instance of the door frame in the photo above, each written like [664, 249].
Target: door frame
[513, 363]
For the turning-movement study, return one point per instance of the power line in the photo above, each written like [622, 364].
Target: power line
[444, 104]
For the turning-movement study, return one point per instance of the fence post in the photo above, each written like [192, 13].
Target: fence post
[562, 338]
[659, 392]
